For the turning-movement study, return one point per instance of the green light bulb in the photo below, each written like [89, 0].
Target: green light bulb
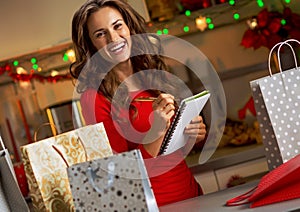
[165, 31]
[35, 66]
[16, 63]
[211, 26]
[65, 57]
[260, 3]
[159, 32]
[236, 16]
[186, 28]
[208, 20]
[33, 60]
[188, 13]
[283, 22]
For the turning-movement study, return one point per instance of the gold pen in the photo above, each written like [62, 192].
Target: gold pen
[144, 99]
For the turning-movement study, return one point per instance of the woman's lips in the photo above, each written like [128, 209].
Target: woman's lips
[117, 48]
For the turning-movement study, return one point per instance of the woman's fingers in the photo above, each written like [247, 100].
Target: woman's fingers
[197, 119]
[162, 101]
[164, 109]
[169, 108]
[196, 129]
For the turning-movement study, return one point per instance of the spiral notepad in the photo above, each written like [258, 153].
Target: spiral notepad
[188, 109]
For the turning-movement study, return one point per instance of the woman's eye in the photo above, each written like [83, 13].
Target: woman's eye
[118, 26]
[100, 34]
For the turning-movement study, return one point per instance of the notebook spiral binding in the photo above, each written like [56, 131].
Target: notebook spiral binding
[171, 129]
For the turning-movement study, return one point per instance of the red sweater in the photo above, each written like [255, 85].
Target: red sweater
[169, 175]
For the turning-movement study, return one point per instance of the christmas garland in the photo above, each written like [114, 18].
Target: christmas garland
[272, 27]
[32, 76]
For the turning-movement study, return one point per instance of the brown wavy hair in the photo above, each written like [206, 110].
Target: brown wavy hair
[92, 71]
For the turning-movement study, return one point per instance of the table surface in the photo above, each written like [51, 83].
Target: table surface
[215, 202]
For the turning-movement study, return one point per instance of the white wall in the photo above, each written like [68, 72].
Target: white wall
[54, 93]
[27, 26]
[222, 47]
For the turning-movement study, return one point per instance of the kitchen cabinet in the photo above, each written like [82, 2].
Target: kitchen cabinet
[248, 162]
[243, 170]
[208, 181]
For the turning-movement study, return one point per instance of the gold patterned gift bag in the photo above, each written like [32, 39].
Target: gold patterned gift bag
[46, 172]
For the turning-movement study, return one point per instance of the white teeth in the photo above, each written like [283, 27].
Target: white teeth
[117, 47]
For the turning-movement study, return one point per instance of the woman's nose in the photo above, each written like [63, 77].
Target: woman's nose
[113, 36]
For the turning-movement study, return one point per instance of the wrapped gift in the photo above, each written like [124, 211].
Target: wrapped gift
[46, 171]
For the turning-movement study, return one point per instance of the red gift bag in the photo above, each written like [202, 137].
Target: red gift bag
[281, 184]
[21, 178]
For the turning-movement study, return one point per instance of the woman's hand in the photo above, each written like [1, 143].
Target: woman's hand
[163, 110]
[196, 129]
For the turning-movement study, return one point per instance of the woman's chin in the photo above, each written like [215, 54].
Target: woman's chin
[119, 59]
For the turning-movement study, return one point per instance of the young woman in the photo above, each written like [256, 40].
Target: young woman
[121, 86]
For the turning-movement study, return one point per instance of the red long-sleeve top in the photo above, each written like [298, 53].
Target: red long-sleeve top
[170, 177]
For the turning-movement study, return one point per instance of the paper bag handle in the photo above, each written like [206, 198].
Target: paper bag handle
[280, 44]
[92, 176]
[2, 144]
[42, 125]
[295, 58]
[241, 199]
[62, 156]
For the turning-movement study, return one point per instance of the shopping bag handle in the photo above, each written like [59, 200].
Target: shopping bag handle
[62, 156]
[280, 44]
[2, 144]
[92, 176]
[42, 125]
[241, 199]
[278, 56]
[295, 58]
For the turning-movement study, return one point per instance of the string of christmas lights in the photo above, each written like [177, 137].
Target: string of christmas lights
[218, 13]
[211, 15]
[17, 77]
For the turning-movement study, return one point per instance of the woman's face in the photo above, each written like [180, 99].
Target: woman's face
[110, 34]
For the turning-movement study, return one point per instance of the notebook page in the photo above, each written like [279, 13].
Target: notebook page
[192, 108]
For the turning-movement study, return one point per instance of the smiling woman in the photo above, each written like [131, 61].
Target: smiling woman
[116, 63]
[109, 33]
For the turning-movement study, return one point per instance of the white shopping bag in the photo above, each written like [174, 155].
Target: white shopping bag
[277, 102]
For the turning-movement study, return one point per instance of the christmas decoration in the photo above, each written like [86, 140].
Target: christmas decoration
[235, 180]
[195, 4]
[32, 76]
[248, 106]
[271, 27]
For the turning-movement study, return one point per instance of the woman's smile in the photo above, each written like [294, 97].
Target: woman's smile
[117, 48]
[110, 34]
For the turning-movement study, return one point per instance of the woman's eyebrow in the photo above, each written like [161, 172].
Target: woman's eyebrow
[116, 21]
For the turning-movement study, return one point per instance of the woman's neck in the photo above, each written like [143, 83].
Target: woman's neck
[124, 70]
